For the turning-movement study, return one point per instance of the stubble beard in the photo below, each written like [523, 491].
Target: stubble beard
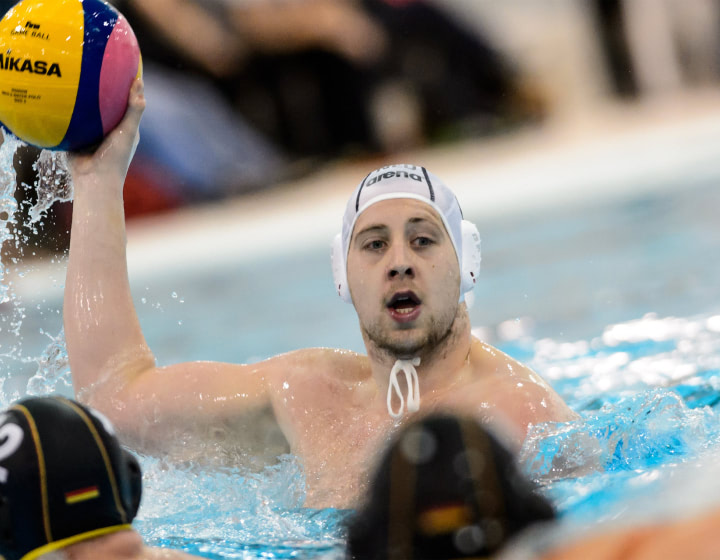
[392, 344]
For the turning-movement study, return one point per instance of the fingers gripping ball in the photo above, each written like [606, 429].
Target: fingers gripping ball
[66, 67]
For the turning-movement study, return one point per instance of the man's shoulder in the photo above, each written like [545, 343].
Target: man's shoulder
[492, 362]
[483, 351]
[334, 362]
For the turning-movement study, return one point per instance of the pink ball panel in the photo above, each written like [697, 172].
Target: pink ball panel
[119, 69]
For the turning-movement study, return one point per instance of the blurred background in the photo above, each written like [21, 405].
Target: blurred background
[248, 95]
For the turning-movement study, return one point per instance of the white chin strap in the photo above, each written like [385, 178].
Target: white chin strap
[411, 377]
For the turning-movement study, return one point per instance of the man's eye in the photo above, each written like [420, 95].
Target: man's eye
[375, 244]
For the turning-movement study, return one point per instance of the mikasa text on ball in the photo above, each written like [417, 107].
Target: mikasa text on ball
[66, 67]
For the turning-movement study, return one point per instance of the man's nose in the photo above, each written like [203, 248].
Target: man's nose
[401, 271]
[400, 265]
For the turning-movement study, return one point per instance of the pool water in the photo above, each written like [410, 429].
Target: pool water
[616, 304]
[647, 391]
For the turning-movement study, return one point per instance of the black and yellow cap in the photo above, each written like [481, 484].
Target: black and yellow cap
[447, 488]
[64, 478]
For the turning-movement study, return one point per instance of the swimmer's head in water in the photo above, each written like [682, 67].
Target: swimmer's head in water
[413, 182]
[64, 478]
[447, 487]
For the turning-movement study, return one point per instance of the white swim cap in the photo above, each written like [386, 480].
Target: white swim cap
[415, 182]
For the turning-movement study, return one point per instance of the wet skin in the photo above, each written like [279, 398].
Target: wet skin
[327, 405]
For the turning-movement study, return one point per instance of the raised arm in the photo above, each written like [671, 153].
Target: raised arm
[112, 367]
[101, 326]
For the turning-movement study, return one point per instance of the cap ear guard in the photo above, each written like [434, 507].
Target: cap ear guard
[339, 269]
[132, 492]
[470, 256]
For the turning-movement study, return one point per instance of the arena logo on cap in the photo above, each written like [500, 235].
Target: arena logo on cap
[395, 174]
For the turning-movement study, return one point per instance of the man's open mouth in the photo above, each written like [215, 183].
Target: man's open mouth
[403, 303]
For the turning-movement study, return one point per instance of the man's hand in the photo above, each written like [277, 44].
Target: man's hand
[112, 158]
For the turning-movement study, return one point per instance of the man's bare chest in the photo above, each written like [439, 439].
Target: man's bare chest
[339, 459]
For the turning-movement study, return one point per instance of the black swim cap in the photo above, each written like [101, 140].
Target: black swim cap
[446, 488]
[64, 477]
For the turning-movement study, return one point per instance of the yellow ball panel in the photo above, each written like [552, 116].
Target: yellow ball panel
[41, 46]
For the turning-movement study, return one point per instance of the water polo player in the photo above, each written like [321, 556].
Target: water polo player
[445, 488]
[67, 487]
[405, 259]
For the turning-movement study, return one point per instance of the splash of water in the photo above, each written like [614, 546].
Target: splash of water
[230, 510]
[12, 312]
[8, 205]
[53, 185]
[648, 394]
[53, 369]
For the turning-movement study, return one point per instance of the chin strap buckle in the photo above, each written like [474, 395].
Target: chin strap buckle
[411, 377]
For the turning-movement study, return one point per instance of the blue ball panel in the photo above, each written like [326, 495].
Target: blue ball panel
[100, 19]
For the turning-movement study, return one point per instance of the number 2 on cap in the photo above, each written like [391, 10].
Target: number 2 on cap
[13, 436]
